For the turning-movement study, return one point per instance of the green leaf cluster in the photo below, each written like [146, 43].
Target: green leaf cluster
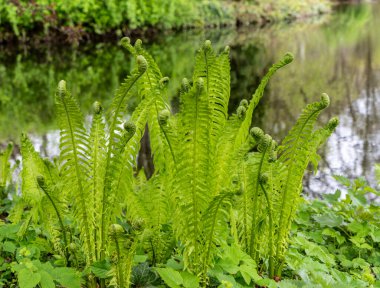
[219, 190]
[336, 240]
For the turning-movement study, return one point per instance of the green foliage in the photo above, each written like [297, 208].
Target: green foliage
[217, 194]
[78, 17]
[336, 240]
[33, 273]
[5, 170]
[82, 184]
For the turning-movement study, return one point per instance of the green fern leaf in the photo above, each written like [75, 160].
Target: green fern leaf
[215, 230]
[295, 152]
[244, 128]
[75, 165]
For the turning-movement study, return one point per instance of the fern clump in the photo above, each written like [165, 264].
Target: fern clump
[217, 182]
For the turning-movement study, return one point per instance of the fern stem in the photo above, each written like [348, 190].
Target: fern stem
[95, 176]
[245, 210]
[271, 256]
[120, 277]
[253, 242]
[194, 196]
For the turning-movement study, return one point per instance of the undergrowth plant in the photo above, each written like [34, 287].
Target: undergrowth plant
[336, 239]
[218, 184]
[5, 169]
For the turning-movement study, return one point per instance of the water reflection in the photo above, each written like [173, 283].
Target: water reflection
[338, 54]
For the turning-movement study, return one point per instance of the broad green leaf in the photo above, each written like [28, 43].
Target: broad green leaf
[9, 247]
[366, 246]
[101, 269]
[140, 258]
[28, 279]
[359, 262]
[67, 277]
[189, 280]
[361, 229]
[9, 231]
[333, 198]
[329, 219]
[229, 265]
[249, 273]
[46, 280]
[174, 264]
[375, 235]
[171, 277]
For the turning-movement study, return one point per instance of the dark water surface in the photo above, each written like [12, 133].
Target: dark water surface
[338, 54]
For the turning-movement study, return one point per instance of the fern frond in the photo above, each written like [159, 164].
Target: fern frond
[152, 85]
[215, 230]
[120, 101]
[98, 146]
[192, 168]
[244, 128]
[295, 152]
[116, 133]
[75, 165]
[33, 166]
[258, 164]
[219, 95]
[123, 177]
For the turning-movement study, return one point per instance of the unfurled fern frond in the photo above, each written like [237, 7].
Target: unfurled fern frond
[75, 162]
[237, 128]
[296, 151]
[33, 166]
[152, 85]
[116, 147]
[192, 168]
[258, 164]
[123, 179]
[244, 128]
[43, 203]
[98, 146]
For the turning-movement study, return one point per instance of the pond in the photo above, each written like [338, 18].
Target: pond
[338, 54]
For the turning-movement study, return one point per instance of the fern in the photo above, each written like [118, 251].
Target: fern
[215, 230]
[118, 107]
[75, 165]
[258, 165]
[214, 178]
[98, 155]
[244, 127]
[295, 151]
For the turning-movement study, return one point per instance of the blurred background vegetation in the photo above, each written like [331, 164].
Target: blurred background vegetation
[77, 20]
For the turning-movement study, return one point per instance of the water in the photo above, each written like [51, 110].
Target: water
[338, 54]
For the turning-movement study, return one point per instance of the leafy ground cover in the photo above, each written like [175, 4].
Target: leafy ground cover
[334, 242]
